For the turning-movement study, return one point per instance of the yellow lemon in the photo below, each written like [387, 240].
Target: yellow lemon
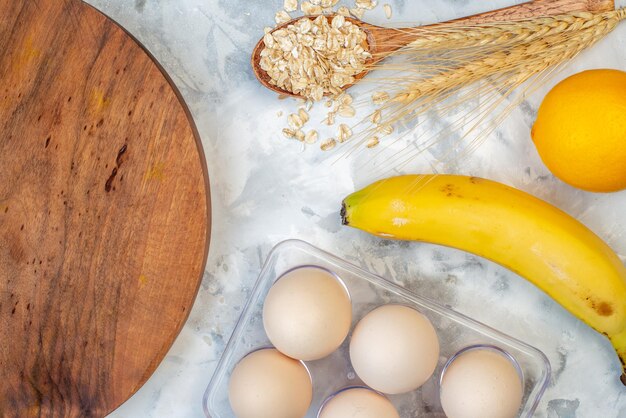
[580, 131]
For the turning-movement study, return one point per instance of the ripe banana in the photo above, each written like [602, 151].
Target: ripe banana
[529, 236]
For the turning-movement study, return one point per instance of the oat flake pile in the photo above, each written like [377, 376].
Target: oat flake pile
[315, 57]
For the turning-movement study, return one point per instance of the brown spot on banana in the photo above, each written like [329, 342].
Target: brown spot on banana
[602, 308]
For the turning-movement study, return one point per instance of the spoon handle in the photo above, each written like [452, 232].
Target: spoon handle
[386, 40]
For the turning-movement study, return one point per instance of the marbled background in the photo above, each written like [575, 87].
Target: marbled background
[266, 188]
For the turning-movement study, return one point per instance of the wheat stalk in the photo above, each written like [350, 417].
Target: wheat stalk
[450, 60]
[460, 35]
[533, 56]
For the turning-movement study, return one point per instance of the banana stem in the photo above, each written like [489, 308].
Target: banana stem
[344, 214]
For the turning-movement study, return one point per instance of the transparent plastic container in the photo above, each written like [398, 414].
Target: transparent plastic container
[368, 291]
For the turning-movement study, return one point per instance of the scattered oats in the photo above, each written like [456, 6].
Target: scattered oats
[288, 133]
[316, 2]
[317, 92]
[282, 17]
[366, 4]
[344, 99]
[344, 133]
[282, 96]
[385, 129]
[328, 144]
[376, 117]
[330, 119]
[346, 111]
[279, 113]
[387, 8]
[290, 5]
[299, 135]
[304, 116]
[311, 137]
[328, 3]
[343, 11]
[373, 141]
[335, 90]
[309, 8]
[308, 105]
[294, 121]
[328, 103]
[357, 12]
[380, 97]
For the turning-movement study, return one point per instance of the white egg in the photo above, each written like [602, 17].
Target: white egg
[358, 403]
[394, 349]
[268, 384]
[481, 383]
[307, 313]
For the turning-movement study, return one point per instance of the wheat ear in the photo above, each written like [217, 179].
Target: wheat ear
[464, 36]
[526, 58]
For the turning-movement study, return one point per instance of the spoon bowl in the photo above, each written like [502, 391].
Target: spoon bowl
[370, 45]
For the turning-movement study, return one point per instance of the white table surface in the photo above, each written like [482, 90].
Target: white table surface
[266, 189]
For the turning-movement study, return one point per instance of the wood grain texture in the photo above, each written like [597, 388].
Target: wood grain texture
[383, 41]
[104, 212]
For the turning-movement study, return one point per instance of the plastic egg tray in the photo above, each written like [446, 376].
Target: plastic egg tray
[367, 291]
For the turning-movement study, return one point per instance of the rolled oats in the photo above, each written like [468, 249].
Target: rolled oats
[311, 137]
[290, 5]
[387, 8]
[313, 57]
[344, 133]
[308, 8]
[346, 111]
[343, 11]
[337, 22]
[357, 12]
[372, 142]
[294, 121]
[380, 97]
[303, 115]
[299, 135]
[330, 119]
[328, 144]
[344, 99]
[282, 17]
[366, 4]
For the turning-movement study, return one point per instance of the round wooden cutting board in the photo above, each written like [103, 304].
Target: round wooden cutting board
[104, 211]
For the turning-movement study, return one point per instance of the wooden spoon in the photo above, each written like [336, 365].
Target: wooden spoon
[383, 41]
